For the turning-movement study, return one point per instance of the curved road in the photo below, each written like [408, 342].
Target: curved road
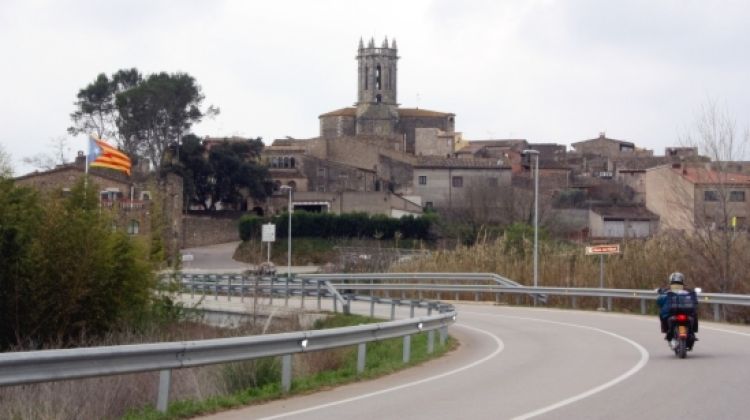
[516, 363]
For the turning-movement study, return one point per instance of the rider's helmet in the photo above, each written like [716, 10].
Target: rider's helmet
[677, 278]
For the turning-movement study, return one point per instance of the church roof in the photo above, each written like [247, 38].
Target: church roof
[402, 112]
[343, 112]
[416, 112]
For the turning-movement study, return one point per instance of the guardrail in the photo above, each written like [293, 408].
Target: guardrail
[53, 365]
[439, 283]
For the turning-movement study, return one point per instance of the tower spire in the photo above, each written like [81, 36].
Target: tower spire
[361, 44]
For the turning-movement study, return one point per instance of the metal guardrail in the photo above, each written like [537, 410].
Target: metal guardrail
[51, 365]
[439, 283]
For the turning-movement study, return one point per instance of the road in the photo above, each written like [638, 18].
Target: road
[218, 259]
[518, 363]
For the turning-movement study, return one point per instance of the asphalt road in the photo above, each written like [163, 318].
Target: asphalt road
[517, 363]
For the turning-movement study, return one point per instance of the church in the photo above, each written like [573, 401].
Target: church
[370, 157]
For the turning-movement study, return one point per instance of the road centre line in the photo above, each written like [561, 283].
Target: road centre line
[632, 371]
[498, 349]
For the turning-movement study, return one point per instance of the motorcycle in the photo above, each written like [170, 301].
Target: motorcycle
[681, 321]
[682, 335]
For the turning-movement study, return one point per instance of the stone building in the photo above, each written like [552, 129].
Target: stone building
[131, 199]
[688, 197]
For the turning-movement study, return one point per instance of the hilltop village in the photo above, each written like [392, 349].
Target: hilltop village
[380, 158]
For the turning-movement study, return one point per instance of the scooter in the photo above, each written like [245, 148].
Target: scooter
[682, 335]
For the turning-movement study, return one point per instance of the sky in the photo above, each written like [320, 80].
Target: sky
[546, 71]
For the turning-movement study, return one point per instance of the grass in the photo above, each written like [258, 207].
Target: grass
[383, 358]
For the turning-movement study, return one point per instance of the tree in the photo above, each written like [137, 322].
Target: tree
[58, 155]
[96, 113]
[712, 203]
[228, 173]
[65, 273]
[144, 115]
[6, 168]
[158, 112]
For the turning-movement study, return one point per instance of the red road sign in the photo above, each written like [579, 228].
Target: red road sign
[603, 249]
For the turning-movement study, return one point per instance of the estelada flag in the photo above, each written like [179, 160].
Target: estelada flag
[105, 156]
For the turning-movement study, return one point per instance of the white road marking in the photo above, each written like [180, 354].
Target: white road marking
[500, 347]
[638, 366]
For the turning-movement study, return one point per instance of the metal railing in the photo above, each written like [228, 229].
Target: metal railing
[52, 365]
[439, 284]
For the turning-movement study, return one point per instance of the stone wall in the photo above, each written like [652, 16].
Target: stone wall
[205, 230]
[337, 126]
[408, 125]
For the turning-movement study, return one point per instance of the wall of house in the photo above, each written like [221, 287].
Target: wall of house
[440, 191]
[671, 197]
[408, 126]
[433, 142]
[711, 213]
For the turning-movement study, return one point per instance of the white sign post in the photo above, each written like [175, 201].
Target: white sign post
[268, 236]
[601, 251]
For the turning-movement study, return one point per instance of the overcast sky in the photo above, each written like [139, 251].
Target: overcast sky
[546, 71]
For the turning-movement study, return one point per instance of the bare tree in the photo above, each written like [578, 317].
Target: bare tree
[715, 198]
[6, 168]
[57, 155]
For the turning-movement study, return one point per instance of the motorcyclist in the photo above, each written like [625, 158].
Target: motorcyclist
[666, 302]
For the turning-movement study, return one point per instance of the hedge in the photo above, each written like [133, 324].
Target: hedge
[347, 225]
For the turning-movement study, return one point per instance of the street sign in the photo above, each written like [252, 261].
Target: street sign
[603, 249]
[269, 232]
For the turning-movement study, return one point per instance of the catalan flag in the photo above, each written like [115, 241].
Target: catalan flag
[103, 155]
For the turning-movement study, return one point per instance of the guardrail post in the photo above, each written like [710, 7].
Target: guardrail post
[229, 289]
[372, 306]
[192, 290]
[476, 296]
[335, 305]
[609, 304]
[411, 309]
[286, 291]
[165, 380]
[717, 312]
[242, 288]
[393, 309]
[286, 373]
[215, 281]
[429, 309]
[270, 290]
[319, 297]
[574, 302]
[443, 334]
[430, 341]
[303, 292]
[497, 298]
[361, 356]
[407, 348]
[438, 295]
[643, 306]
[347, 305]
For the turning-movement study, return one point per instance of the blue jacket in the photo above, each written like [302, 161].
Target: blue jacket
[677, 301]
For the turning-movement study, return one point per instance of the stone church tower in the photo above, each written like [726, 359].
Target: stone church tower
[377, 108]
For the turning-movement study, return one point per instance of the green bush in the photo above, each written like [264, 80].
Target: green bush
[347, 225]
[65, 274]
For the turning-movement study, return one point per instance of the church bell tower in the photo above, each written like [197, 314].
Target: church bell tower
[377, 108]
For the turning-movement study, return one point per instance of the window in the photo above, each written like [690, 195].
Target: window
[457, 181]
[377, 77]
[133, 227]
[428, 204]
[292, 185]
[145, 195]
[378, 98]
[422, 180]
[710, 195]
[367, 76]
[277, 185]
[737, 196]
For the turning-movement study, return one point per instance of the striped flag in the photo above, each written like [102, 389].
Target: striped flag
[103, 155]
